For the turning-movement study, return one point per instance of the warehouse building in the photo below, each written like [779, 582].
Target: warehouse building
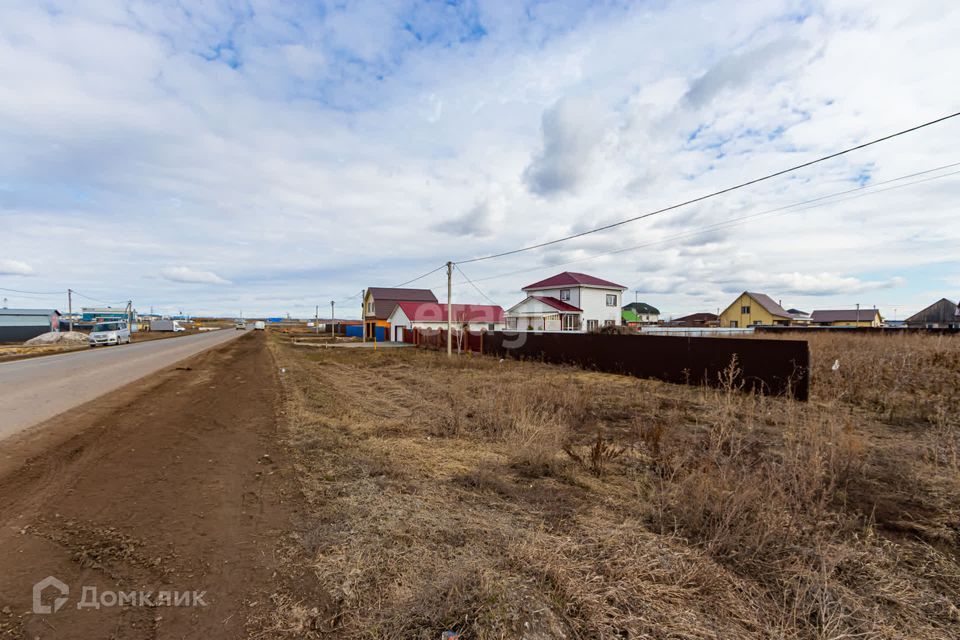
[19, 325]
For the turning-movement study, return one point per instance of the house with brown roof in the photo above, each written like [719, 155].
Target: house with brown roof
[942, 314]
[846, 318]
[379, 303]
[568, 301]
[703, 319]
[752, 309]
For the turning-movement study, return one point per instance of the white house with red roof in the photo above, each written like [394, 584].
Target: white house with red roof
[567, 301]
[430, 316]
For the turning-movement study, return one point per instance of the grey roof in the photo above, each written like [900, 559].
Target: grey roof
[843, 315]
[28, 312]
[943, 310]
[768, 303]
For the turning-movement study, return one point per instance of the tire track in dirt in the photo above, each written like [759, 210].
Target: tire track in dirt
[179, 487]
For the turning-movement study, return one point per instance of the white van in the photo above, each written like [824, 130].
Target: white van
[259, 325]
[115, 332]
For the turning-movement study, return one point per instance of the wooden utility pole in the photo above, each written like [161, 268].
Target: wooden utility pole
[332, 321]
[363, 314]
[316, 319]
[449, 309]
[70, 307]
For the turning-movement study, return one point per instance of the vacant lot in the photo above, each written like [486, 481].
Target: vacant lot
[521, 500]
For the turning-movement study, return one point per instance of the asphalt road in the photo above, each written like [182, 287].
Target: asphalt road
[36, 389]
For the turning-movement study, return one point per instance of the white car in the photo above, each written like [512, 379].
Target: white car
[105, 333]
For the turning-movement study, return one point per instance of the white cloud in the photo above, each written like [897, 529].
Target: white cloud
[310, 154]
[14, 268]
[186, 274]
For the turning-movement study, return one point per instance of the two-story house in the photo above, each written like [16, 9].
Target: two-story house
[567, 301]
[379, 303]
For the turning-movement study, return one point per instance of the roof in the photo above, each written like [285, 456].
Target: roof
[28, 312]
[698, 317]
[385, 299]
[939, 311]
[436, 312]
[767, 303]
[844, 315]
[571, 279]
[556, 303]
[641, 307]
[797, 312]
[393, 293]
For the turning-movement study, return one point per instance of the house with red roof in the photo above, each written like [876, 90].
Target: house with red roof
[430, 316]
[568, 301]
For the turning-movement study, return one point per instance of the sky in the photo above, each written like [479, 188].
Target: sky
[262, 157]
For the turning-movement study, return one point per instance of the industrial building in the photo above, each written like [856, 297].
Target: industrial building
[19, 325]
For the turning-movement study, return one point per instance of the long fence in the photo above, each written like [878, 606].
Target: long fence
[775, 367]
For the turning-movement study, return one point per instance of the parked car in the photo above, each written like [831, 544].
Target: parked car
[105, 333]
[259, 325]
[240, 325]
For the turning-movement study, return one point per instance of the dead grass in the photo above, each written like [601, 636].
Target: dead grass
[521, 500]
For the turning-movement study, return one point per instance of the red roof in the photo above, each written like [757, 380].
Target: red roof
[437, 312]
[571, 279]
[556, 303]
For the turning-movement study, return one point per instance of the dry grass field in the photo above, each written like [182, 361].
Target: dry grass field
[522, 500]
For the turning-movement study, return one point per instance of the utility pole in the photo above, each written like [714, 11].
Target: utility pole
[363, 314]
[130, 314]
[316, 319]
[858, 314]
[449, 309]
[69, 307]
[332, 322]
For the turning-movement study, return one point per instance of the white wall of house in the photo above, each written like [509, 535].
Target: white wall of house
[399, 319]
[593, 301]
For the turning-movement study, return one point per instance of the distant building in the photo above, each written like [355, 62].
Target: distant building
[754, 309]
[847, 318]
[639, 313]
[942, 314]
[97, 314]
[568, 301]
[19, 325]
[696, 320]
[799, 317]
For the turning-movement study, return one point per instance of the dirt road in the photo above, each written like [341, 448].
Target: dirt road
[40, 388]
[175, 487]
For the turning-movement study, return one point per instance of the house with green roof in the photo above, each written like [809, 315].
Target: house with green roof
[636, 314]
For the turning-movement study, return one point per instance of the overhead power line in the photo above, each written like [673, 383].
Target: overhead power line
[716, 193]
[37, 293]
[858, 192]
[474, 285]
[403, 284]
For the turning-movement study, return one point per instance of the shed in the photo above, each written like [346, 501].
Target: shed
[19, 325]
[942, 314]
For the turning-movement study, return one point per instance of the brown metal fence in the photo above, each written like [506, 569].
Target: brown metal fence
[775, 367]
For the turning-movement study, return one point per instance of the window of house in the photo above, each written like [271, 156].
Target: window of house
[608, 323]
[564, 294]
[592, 325]
[511, 323]
[611, 299]
[491, 326]
[745, 310]
[734, 324]
[570, 322]
[370, 307]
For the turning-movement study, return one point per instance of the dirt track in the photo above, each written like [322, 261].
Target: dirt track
[176, 487]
